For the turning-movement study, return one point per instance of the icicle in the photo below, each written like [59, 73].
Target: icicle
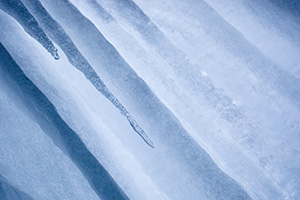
[17, 10]
[59, 36]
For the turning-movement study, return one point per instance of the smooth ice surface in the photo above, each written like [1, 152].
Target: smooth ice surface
[213, 86]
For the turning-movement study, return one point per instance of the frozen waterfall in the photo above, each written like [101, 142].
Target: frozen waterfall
[212, 86]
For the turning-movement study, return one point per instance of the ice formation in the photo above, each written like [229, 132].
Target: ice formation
[213, 85]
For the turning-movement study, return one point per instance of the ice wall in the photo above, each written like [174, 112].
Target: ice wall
[215, 85]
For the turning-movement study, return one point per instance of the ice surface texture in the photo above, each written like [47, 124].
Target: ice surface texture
[207, 81]
[61, 134]
[20, 13]
[17, 10]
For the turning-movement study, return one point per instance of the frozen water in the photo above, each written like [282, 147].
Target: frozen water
[215, 85]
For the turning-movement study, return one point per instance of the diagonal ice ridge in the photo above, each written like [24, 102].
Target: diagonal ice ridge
[101, 87]
[62, 135]
[53, 29]
[17, 10]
